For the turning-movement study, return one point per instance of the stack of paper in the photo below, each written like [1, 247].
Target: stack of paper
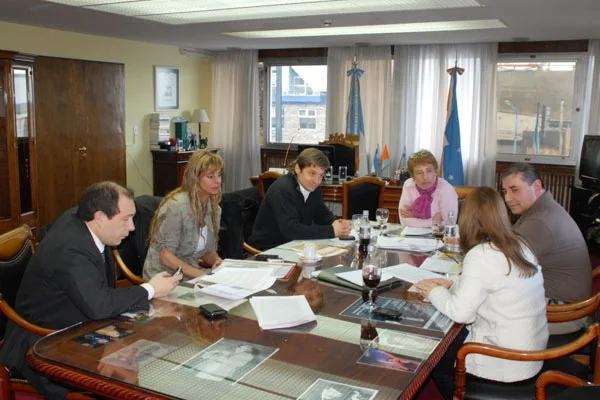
[407, 243]
[279, 269]
[274, 312]
[410, 273]
[440, 263]
[237, 283]
[410, 231]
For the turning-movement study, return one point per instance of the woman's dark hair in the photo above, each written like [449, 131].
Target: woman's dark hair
[102, 196]
[484, 219]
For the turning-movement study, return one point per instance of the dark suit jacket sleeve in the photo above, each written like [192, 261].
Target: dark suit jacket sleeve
[323, 215]
[289, 220]
[83, 279]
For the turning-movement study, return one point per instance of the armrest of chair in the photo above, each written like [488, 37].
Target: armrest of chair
[11, 314]
[596, 272]
[509, 354]
[133, 278]
[572, 311]
[558, 377]
[250, 249]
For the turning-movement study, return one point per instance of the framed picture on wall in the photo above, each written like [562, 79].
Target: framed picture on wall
[166, 88]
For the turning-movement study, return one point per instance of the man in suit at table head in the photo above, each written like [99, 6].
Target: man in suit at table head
[70, 278]
[554, 237]
[293, 207]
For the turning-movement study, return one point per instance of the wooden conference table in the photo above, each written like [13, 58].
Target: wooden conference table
[326, 350]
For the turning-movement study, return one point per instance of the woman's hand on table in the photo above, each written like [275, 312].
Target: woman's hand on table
[425, 286]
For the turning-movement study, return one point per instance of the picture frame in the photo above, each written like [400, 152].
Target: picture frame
[166, 88]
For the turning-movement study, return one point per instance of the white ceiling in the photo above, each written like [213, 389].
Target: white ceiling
[531, 19]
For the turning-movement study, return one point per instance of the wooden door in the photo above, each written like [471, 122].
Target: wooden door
[80, 122]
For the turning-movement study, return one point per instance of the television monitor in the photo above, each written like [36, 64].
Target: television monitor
[589, 166]
[327, 149]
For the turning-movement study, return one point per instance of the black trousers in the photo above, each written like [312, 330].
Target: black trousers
[443, 374]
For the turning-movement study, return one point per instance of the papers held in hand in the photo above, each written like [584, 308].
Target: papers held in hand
[275, 312]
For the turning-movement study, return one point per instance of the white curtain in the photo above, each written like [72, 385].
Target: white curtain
[420, 99]
[592, 118]
[375, 90]
[235, 118]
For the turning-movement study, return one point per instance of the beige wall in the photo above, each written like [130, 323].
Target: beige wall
[139, 59]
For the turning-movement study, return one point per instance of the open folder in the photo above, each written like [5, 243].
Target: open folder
[330, 275]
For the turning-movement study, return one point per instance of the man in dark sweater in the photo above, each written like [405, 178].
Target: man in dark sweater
[555, 239]
[293, 208]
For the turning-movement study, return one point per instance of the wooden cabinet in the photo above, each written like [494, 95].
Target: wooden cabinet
[168, 167]
[18, 172]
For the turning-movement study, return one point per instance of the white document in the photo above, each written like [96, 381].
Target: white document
[245, 278]
[355, 276]
[411, 274]
[437, 264]
[410, 231]
[235, 293]
[279, 268]
[407, 243]
[274, 312]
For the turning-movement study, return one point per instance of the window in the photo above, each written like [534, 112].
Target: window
[307, 119]
[297, 104]
[537, 105]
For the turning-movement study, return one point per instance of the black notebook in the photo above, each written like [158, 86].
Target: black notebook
[329, 275]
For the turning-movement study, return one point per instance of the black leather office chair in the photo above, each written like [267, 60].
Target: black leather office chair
[238, 212]
[364, 193]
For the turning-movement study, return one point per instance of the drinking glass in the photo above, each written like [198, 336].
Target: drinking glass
[343, 173]
[371, 273]
[438, 231]
[382, 215]
[356, 221]
[369, 338]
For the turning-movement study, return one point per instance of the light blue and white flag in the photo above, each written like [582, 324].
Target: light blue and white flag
[452, 163]
[354, 118]
[377, 161]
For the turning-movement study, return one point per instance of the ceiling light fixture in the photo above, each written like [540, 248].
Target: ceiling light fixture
[373, 29]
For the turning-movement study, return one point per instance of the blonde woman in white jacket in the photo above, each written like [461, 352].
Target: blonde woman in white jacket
[500, 294]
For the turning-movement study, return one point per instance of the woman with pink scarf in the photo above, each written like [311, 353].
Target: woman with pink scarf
[426, 198]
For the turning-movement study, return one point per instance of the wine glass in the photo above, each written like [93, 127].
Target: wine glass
[382, 215]
[371, 273]
[438, 230]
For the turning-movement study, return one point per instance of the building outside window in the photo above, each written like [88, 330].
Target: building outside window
[297, 103]
[537, 103]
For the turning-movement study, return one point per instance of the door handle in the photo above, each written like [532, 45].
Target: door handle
[82, 148]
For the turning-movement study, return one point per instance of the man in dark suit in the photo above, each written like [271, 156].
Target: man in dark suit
[70, 278]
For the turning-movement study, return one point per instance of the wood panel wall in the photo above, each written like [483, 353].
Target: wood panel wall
[80, 122]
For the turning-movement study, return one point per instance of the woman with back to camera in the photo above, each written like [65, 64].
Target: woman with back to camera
[185, 227]
[500, 294]
[426, 198]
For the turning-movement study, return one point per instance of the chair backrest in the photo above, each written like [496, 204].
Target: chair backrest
[16, 248]
[238, 212]
[346, 154]
[364, 193]
[134, 247]
[266, 179]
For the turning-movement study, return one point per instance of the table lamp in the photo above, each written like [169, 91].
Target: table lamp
[200, 116]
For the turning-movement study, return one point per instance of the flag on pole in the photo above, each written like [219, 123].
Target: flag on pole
[452, 157]
[385, 158]
[403, 161]
[377, 161]
[354, 117]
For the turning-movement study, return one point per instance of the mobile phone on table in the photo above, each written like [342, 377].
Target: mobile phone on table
[387, 313]
[212, 310]
[178, 271]
[347, 237]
